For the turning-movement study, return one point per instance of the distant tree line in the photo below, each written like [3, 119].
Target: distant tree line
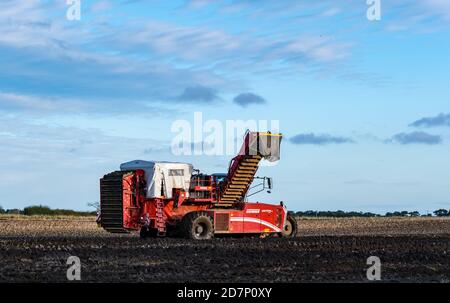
[442, 212]
[342, 214]
[45, 211]
[336, 214]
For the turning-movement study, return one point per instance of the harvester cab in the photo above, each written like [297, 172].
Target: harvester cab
[168, 198]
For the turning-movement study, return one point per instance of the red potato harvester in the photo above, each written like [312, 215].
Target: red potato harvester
[170, 198]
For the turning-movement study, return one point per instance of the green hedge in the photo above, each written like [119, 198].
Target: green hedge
[47, 211]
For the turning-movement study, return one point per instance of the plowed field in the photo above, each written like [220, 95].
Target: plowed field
[326, 250]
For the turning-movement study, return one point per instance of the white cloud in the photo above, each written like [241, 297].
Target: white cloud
[148, 60]
[61, 166]
[197, 4]
[318, 48]
[185, 42]
[14, 100]
[207, 46]
[438, 7]
[100, 6]
[27, 24]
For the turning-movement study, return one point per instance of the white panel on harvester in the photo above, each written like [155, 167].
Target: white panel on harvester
[162, 176]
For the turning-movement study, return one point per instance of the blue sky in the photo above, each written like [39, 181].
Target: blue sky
[364, 106]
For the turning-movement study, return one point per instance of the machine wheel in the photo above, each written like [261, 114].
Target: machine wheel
[290, 228]
[197, 226]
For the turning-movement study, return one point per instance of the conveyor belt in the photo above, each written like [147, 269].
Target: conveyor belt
[243, 167]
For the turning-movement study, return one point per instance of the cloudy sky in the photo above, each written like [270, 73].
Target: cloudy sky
[364, 106]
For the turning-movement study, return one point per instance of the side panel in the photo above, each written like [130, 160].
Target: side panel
[130, 204]
[252, 219]
[255, 218]
[236, 222]
[267, 220]
[262, 218]
[228, 222]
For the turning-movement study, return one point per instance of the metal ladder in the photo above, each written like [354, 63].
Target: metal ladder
[160, 223]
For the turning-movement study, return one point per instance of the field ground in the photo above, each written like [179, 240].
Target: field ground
[326, 250]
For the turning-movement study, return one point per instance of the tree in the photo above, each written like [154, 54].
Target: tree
[2, 211]
[37, 210]
[441, 213]
[14, 211]
[95, 205]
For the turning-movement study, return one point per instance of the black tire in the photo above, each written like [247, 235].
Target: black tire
[290, 229]
[197, 226]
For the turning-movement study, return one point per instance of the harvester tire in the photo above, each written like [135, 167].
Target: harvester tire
[197, 226]
[291, 228]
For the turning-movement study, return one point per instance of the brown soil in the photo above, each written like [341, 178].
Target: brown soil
[410, 250]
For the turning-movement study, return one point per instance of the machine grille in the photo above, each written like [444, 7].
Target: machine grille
[222, 222]
[111, 202]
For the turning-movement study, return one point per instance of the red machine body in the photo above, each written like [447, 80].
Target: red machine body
[214, 204]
